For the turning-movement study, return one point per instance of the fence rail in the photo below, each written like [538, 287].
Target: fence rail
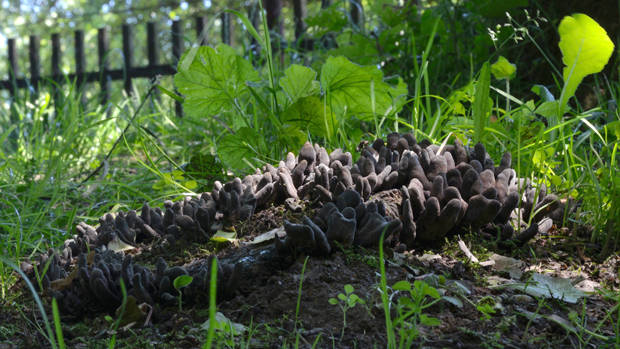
[104, 75]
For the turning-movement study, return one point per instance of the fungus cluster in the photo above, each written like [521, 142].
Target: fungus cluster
[413, 193]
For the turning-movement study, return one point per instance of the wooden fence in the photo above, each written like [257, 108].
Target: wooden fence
[104, 75]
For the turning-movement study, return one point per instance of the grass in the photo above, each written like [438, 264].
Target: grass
[49, 151]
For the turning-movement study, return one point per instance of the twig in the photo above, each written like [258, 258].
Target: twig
[467, 252]
[135, 114]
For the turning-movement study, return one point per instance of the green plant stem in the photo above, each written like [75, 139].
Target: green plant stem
[384, 297]
[212, 304]
[58, 325]
[301, 281]
[344, 321]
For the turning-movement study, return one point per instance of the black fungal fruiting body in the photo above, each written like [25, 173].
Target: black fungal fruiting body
[414, 193]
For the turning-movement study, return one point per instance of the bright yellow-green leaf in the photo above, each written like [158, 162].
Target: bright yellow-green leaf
[585, 47]
[177, 174]
[191, 185]
[224, 236]
[182, 281]
[503, 69]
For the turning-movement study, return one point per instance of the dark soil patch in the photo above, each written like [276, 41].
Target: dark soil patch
[266, 303]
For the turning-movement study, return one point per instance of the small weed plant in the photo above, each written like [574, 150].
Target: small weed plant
[180, 282]
[410, 309]
[346, 301]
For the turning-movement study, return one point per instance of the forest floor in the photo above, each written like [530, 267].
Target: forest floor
[549, 293]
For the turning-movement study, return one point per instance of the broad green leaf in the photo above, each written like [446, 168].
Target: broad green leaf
[586, 49]
[359, 90]
[342, 297]
[348, 289]
[213, 79]
[503, 69]
[235, 150]
[293, 136]
[307, 114]
[431, 291]
[182, 281]
[547, 109]
[402, 286]
[299, 81]
[481, 105]
[333, 301]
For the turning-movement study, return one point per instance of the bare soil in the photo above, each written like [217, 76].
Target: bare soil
[267, 304]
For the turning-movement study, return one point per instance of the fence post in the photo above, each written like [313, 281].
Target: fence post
[35, 62]
[80, 59]
[56, 74]
[201, 33]
[13, 71]
[151, 39]
[127, 55]
[300, 12]
[80, 64]
[103, 46]
[274, 23]
[225, 18]
[13, 67]
[177, 51]
[152, 52]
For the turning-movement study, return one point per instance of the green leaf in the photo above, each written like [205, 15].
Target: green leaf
[431, 291]
[402, 286]
[248, 26]
[342, 297]
[481, 105]
[429, 321]
[182, 281]
[293, 136]
[299, 81]
[171, 94]
[307, 114]
[348, 289]
[359, 90]
[503, 69]
[191, 184]
[213, 79]
[586, 49]
[177, 175]
[543, 92]
[224, 236]
[236, 149]
[547, 109]
[333, 301]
